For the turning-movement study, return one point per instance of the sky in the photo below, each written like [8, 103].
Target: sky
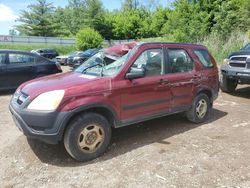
[10, 10]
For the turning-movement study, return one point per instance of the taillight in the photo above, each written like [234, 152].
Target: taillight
[58, 66]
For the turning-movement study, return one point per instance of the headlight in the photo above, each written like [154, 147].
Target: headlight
[226, 61]
[47, 101]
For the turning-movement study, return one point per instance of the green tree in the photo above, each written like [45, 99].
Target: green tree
[88, 38]
[37, 20]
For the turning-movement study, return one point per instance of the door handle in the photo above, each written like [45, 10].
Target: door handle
[195, 78]
[163, 82]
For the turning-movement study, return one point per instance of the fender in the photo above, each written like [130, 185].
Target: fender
[83, 108]
[206, 89]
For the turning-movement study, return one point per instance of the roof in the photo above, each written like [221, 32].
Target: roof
[9, 51]
[174, 43]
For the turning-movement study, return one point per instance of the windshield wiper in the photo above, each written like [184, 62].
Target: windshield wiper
[91, 66]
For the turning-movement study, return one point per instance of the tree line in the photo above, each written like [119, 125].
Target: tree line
[181, 20]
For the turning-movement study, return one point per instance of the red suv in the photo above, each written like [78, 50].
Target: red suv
[81, 107]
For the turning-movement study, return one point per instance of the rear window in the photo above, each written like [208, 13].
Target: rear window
[204, 58]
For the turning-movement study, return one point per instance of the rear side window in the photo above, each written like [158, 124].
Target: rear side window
[179, 61]
[21, 58]
[204, 58]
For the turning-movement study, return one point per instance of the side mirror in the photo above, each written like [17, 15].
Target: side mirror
[135, 73]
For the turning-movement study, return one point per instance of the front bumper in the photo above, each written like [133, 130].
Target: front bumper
[45, 126]
[242, 75]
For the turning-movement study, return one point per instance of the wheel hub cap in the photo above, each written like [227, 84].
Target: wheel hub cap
[201, 108]
[91, 138]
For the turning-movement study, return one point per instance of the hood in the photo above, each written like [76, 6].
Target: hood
[239, 53]
[73, 83]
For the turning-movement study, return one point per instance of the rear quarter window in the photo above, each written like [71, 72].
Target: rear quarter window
[204, 57]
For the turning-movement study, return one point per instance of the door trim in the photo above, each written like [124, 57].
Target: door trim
[147, 117]
[145, 104]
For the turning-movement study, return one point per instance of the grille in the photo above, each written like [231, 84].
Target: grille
[242, 65]
[238, 59]
[248, 65]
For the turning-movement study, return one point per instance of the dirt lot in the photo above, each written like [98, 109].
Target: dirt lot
[169, 152]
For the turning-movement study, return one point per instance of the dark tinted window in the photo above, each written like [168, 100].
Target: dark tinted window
[204, 58]
[15, 58]
[247, 47]
[40, 59]
[152, 60]
[179, 61]
[2, 58]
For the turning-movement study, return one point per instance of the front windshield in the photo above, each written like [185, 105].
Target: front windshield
[101, 58]
[102, 64]
[247, 47]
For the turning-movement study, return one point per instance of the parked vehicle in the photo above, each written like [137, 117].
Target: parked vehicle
[236, 70]
[17, 67]
[46, 52]
[62, 59]
[77, 59]
[81, 107]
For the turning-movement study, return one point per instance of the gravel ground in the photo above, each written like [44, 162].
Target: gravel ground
[165, 152]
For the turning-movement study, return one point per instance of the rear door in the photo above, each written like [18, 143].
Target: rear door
[20, 68]
[181, 76]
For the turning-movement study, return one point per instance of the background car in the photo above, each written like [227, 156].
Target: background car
[77, 59]
[46, 52]
[17, 67]
[236, 70]
[63, 59]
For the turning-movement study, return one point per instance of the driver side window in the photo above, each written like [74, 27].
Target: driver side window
[152, 61]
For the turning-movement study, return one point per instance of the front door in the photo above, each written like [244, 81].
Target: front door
[150, 95]
[20, 68]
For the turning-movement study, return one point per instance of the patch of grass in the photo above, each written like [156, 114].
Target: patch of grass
[220, 48]
[62, 49]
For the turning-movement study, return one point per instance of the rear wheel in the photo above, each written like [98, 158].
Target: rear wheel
[200, 109]
[228, 85]
[87, 136]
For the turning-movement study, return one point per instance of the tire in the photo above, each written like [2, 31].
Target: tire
[228, 85]
[200, 109]
[87, 136]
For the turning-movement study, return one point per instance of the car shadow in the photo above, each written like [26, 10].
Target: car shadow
[124, 139]
[242, 92]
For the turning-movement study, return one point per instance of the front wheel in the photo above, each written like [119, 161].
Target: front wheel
[200, 109]
[228, 85]
[87, 136]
